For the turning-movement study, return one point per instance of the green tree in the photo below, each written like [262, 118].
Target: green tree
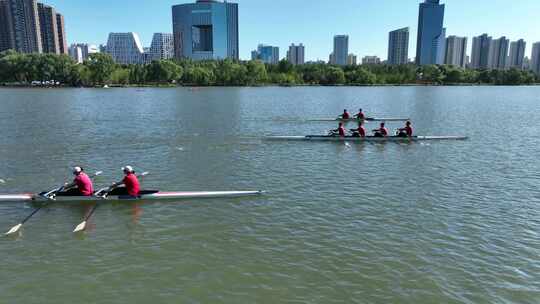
[163, 71]
[333, 75]
[100, 67]
[360, 76]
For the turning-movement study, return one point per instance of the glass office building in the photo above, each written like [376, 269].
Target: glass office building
[431, 33]
[207, 29]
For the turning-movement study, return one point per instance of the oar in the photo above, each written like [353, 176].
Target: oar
[48, 196]
[82, 225]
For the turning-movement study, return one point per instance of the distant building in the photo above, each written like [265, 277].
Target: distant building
[535, 59]
[526, 63]
[103, 48]
[341, 49]
[207, 29]
[76, 52]
[296, 53]
[81, 51]
[267, 53]
[456, 51]
[498, 53]
[517, 54]
[431, 33]
[371, 60]
[398, 46]
[331, 59]
[480, 52]
[125, 48]
[352, 59]
[162, 47]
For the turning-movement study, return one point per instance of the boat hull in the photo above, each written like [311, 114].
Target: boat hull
[144, 197]
[363, 139]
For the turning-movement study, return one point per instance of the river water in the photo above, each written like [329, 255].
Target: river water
[437, 222]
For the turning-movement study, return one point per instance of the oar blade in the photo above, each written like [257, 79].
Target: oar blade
[14, 229]
[80, 227]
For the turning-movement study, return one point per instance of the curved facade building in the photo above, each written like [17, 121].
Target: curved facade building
[125, 48]
[205, 30]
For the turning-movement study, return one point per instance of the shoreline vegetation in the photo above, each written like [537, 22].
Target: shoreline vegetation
[51, 70]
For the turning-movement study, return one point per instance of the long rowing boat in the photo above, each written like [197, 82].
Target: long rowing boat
[363, 139]
[146, 195]
[358, 120]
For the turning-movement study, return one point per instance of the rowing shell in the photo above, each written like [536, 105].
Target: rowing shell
[363, 139]
[148, 195]
[358, 120]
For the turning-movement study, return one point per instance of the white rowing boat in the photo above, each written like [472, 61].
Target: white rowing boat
[363, 139]
[146, 195]
[358, 120]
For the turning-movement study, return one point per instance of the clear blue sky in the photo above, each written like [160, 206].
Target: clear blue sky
[312, 22]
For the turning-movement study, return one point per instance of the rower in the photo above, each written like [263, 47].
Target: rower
[345, 115]
[360, 115]
[130, 181]
[407, 131]
[382, 131]
[340, 130]
[81, 185]
[360, 131]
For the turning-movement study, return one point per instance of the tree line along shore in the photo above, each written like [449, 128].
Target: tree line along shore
[18, 69]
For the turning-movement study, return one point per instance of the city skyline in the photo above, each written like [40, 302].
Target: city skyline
[368, 32]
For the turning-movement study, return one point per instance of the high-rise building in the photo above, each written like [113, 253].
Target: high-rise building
[498, 53]
[371, 60]
[207, 29]
[62, 40]
[24, 27]
[431, 33]
[266, 53]
[6, 41]
[49, 29]
[341, 49]
[296, 54]
[398, 46]
[30, 27]
[162, 46]
[480, 52]
[517, 54]
[456, 51]
[535, 59]
[125, 48]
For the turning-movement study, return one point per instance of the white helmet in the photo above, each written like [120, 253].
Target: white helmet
[77, 170]
[127, 169]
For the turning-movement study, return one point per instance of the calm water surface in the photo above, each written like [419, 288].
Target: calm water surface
[438, 222]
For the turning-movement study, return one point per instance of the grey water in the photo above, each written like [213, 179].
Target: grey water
[437, 222]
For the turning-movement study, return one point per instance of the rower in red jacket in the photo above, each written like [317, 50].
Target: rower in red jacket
[360, 131]
[382, 131]
[345, 115]
[360, 115]
[81, 185]
[130, 181]
[407, 131]
[340, 130]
